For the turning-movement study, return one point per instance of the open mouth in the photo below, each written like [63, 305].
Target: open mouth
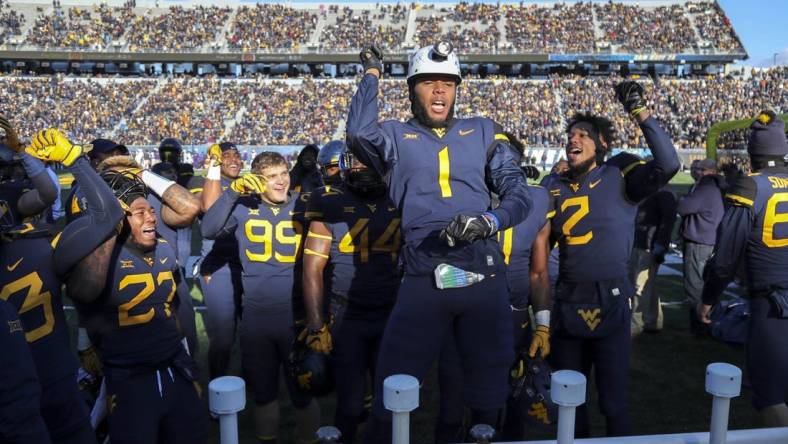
[149, 233]
[574, 153]
[438, 106]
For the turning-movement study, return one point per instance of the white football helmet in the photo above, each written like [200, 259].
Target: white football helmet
[434, 59]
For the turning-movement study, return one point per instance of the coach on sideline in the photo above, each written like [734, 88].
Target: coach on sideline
[701, 211]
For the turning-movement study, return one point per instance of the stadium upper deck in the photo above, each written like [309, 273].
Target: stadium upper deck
[652, 30]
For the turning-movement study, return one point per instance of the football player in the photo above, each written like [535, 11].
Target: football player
[220, 267]
[354, 233]
[177, 208]
[38, 263]
[20, 393]
[151, 380]
[304, 177]
[753, 228]
[595, 206]
[328, 161]
[525, 250]
[441, 171]
[267, 221]
[170, 151]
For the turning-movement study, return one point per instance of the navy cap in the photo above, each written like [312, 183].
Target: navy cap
[224, 146]
[767, 136]
[101, 146]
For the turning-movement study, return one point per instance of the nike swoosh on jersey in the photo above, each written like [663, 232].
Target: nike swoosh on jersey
[293, 213]
[163, 261]
[593, 184]
[13, 267]
[466, 132]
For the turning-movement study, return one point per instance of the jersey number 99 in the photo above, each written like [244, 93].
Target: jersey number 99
[263, 232]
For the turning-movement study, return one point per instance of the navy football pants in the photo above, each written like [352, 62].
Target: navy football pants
[480, 318]
[609, 356]
[157, 406]
[222, 292]
[356, 336]
[186, 318]
[767, 355]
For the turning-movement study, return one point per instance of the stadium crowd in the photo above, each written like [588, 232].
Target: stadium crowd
[474, 27]
[279, 112]
[270, 27]
[351, 28]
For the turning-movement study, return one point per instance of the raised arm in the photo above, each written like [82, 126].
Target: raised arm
[365, 137]
[219, 220]
[179, 206]
[647, 178]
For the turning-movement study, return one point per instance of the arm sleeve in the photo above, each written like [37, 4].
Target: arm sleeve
[646, 179]
[732, 235]
[506, 179]
[365, 137]
[82, 236]
[219, 220]
[667, 217]
[44, 192]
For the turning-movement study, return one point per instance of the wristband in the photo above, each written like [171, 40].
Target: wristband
[156, 183]
[543, 318]
[214, 172]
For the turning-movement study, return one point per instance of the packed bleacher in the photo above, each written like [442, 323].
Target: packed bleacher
[699, 27]
[296, 111]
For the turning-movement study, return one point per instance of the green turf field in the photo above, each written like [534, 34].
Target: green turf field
[666, 381]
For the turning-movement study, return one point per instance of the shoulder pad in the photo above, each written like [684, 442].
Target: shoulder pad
[742, 192]
[625, 162]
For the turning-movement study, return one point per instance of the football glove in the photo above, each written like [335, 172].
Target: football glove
[11, 138]
[540, 342]
[90, 361]
[469, 228]
[214, 154]
[249, 184]
[632, 96]
[53, 146]
[318, 339]
[372, 57]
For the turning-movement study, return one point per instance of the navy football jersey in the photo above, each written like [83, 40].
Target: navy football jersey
[180, 239]
[365, 244]
[133, 322]
[516, 242]
[270, 240]
[594, 221]
[10, 193]
[436, 174]
[765, 194]
[224, 249]
[30, 284]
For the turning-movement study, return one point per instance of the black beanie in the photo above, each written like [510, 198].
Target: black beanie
[767, 136]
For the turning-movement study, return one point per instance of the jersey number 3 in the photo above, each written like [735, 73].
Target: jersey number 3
[33, 299]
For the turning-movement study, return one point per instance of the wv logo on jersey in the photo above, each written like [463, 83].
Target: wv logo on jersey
[372, 207]
[591, 317]
[539, 412]
[148, 260]
[574, 186]
[275, 210]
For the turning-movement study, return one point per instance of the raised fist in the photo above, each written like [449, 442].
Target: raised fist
[372, 58]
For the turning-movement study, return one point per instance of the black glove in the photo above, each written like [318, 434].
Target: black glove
[372, 57]
[531, 172]
[469, 228]
[632, 96]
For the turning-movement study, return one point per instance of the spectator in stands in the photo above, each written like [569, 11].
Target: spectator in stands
[653, 230]
[701, 211]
